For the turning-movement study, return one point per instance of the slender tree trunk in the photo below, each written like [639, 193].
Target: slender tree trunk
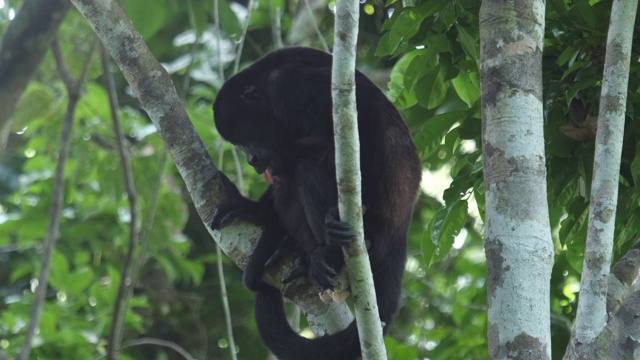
[517, 235]
[592, 316]
[345, 126]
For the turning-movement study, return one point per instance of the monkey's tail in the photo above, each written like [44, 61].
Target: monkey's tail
[286, 344]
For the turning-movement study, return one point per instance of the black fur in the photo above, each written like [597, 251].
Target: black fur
[279, 111]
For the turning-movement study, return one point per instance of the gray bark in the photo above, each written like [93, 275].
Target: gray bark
[517, 234]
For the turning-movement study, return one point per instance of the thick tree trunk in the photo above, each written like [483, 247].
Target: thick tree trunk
[517, 234]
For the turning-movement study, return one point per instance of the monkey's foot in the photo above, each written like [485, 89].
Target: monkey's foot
[321, 273]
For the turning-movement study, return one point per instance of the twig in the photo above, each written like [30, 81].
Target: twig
[57, 197]
[223, 285]
[236, 64]
[125, 288]
[236, 162]
[315, 26]
[69, 83]
[274, 14]
[159, 342]
[216, 19]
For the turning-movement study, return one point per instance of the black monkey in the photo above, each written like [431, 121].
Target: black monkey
[279, 112]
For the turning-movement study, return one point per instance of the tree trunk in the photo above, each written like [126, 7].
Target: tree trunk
[597, 331]
[517, 234]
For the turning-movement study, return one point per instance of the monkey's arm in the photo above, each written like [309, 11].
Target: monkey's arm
[318, 194]
[260, 212]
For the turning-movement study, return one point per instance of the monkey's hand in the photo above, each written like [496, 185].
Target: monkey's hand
[237, 207]
[339, 233]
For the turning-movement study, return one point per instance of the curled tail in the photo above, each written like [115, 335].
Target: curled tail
[286, 344]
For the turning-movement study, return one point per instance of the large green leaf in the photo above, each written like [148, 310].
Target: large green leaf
[442, 231]
[146, 17]
[467, 86]
[431, 88]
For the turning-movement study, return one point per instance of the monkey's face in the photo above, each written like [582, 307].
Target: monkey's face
[266, 160]
[258, 156]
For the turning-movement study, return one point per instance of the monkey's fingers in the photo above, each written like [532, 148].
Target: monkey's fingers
[299, 270]
[223, 215]
[339, 232]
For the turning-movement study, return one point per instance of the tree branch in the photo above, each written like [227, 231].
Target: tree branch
[159, 342]
[591, 316]
[126, 283]
[623, 274]
[22, 48]
[57, 199]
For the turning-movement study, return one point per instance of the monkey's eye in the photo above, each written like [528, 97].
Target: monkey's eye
[249, 94]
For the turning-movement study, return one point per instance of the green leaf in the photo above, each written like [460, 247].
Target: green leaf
[635, 165]
[405, 27]
[468, 42]
[478, 193]
[574, 67]
[586, 13]
[459, 187]
[575, 224]
[23, 269]
[147, 19]
[408, 22]
[79, 280]
[431, 88]
[36, 101]
[397, 92]
[59, 275]
[417, 68]
[560, 6]
[573, 232]
[467, 86]
[48, 323]
[435, 129]
[569, 191]
[568, 56]
[384, 47]
[228, 21]
[398, 350]
[167, 266]
[443, 229]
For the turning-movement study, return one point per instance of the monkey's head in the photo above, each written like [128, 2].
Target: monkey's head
[270, 106]
[244, 116]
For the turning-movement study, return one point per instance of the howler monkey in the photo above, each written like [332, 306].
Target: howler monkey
[279, 112]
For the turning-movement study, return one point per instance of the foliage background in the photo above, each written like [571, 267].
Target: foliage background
[423, 53]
